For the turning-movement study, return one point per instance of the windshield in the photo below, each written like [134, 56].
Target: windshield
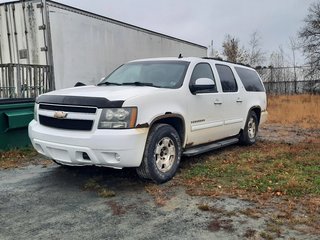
[164, 74]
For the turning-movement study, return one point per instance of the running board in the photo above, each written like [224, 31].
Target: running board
[205, 148]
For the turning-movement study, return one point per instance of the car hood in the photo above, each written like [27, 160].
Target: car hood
[112, 93]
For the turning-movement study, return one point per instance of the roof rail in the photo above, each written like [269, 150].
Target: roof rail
[214, 58]
[220, 59]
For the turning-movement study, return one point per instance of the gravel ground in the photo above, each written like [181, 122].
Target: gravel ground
[53, 202]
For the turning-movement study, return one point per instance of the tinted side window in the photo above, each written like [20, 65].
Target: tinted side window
[228, 82]
[202, 70]
[250, 79]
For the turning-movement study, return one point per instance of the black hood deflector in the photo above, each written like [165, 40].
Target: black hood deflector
[98, 102]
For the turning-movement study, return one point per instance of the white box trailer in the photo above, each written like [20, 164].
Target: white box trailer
[45, 45]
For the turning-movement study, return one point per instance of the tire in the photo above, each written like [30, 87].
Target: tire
[249, 134]
[162, 154]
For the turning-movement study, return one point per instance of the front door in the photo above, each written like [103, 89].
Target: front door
[205, 110]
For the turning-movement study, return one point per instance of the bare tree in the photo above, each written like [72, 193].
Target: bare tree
[232, 51]
[278, 64]
[310, 36]
[277, 59]
[294, 46]
[256, 55]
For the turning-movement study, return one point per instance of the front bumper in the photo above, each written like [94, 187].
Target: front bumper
[116, 148]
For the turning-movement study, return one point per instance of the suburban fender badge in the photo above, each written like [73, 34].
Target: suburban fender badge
[60, 115]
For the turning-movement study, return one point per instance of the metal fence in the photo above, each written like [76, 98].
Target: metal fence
[290, 87]
[290, 80]
[24, 80]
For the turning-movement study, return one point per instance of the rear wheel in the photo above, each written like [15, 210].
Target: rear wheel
[249, 133]
[162, 154]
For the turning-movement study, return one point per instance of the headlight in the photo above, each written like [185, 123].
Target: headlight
[118, 118]
[35, 111]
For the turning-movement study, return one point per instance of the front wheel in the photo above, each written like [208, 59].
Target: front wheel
[162, 154]
[250, 131]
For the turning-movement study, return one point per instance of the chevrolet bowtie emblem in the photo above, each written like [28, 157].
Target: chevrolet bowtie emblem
[60, 115]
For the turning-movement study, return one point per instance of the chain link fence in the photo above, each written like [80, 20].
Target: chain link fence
[290, 80]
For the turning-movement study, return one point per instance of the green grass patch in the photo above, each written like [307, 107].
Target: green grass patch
[279, 169]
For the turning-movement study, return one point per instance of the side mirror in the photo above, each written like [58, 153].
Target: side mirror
[79, 84]
[202, 84]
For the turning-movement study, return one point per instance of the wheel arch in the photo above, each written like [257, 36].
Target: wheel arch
[176, 121]
[257, 111]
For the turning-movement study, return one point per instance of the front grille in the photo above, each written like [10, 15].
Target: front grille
[67, 108]
[70, 124]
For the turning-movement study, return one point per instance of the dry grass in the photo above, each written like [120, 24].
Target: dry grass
[300, 110]
[21, 157]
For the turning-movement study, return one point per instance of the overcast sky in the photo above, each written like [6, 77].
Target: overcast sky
[201, 21]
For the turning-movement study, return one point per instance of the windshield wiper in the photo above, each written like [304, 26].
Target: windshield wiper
[139, 84]
[128, 83]
[108, 83]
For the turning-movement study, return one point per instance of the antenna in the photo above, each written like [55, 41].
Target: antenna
[180, 56]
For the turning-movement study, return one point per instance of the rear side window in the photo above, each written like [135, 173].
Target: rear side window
[228, 82]
[250, 79]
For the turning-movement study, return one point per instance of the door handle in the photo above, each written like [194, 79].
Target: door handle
[217, 101]
[239, 100]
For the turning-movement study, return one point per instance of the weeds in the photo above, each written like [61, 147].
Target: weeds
[204, 207]
[93, 185]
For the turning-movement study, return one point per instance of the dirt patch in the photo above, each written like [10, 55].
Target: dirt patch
[287, 134]
[217, 225]
[116, 208]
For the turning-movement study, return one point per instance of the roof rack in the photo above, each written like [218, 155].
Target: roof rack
[220, 59]
[214, 58]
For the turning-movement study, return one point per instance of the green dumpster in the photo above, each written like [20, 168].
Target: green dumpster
[15, 115]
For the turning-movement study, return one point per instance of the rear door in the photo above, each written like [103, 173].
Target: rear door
[234, 102]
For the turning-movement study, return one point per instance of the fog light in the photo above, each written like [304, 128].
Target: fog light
[85, 156]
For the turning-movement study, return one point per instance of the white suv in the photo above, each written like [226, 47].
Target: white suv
[148, 113]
